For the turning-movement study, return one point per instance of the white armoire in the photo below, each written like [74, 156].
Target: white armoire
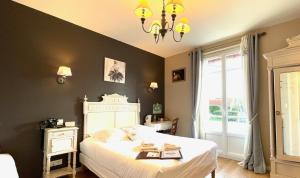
[284, 108]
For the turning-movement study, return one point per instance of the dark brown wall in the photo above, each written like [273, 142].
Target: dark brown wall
[32, 47]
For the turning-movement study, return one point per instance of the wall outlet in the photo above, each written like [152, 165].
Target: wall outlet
[56, 162]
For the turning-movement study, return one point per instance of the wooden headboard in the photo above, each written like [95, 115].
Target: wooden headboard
[113, 112]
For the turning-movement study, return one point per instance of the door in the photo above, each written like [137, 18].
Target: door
[226, 121]
[287, 113]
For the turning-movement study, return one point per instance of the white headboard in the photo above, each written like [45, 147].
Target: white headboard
[113, 112]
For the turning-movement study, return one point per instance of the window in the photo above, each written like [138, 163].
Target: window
[226, 93]
[215, 94]
[235, 95]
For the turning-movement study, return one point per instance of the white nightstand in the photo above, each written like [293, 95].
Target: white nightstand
[57, 142]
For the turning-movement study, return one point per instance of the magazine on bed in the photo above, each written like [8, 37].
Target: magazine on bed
[172, 154]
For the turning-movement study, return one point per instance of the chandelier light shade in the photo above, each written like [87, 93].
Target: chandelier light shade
[143, 10]
[160, 28]
[174, 7]
[183, 26]
[155, 27]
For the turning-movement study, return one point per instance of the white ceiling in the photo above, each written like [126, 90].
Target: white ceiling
[210, 20]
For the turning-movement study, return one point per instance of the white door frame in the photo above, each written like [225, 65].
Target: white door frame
[226, 137]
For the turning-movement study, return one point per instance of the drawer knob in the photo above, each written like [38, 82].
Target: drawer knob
[277, 113]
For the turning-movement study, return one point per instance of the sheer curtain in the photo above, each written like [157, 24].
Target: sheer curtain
[199, 101]
[254, 157]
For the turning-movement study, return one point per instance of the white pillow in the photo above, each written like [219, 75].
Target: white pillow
[139, 132]
[110, 135]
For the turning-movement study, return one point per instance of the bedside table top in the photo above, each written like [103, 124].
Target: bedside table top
[60, 129]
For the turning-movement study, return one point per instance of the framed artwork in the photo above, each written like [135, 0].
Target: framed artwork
[178, 75]
[157, 108]
[114, 71]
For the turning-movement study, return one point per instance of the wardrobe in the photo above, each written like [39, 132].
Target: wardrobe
[284, 108]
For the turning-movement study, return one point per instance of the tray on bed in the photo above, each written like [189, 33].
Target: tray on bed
[174, 154]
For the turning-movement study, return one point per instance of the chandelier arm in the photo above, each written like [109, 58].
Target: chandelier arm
[157, 39]
[175, 37]
[143, 26]
[168, 28]
[172, 27]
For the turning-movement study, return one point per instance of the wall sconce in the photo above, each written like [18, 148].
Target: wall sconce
[62, 74]
[153, 86]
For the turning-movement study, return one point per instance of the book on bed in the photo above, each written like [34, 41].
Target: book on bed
[172, 154]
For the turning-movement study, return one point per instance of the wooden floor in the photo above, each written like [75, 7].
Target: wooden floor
[230, 169]
[226, 169]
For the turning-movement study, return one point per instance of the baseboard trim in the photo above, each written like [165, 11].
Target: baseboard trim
[236, 158]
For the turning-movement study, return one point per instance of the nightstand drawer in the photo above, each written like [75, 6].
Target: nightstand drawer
[62, 134]
[61, 144]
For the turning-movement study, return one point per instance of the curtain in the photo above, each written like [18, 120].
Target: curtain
[197, 90]
[254, 157]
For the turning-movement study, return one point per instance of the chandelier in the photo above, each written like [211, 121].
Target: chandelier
[160, 28]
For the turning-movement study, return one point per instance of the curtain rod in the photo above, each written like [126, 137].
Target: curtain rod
[229, 43]
[262, 34]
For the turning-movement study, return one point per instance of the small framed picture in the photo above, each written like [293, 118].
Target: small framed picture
[178, 75]
[157, 108]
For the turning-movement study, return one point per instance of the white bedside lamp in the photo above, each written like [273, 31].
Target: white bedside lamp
[62, 73]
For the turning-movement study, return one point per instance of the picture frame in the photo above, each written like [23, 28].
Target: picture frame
[114, 71]
[157, 108]
[178, 75]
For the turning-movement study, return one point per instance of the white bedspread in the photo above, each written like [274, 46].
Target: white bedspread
[199, 157]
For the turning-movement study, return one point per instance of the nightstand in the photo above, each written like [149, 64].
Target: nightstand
[59, 141]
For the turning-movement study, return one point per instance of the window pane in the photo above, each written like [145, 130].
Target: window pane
[235, 95]
[214, 86]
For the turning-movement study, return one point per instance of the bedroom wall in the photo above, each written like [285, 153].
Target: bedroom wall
[275, 39]
[178, 95]
[32, 47]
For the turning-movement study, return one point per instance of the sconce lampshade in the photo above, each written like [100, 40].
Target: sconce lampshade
[64, 71]
[153, 85]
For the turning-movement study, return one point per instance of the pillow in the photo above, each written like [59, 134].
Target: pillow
[139, 132]
[130, 132]
[110, 135]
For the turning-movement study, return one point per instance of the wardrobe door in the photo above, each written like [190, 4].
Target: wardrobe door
[287, 113]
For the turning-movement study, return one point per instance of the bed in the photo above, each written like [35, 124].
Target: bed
[116, 158]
